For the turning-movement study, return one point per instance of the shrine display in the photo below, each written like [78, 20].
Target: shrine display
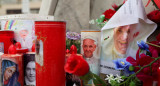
[43, 53]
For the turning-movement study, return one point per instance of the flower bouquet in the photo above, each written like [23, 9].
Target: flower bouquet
[143, 67]
[78, 66]
[135, 71]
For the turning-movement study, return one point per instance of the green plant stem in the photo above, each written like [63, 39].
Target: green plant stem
[139, 70]
[153, 44]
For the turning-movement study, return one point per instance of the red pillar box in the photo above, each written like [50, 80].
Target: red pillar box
[50, 53]
[6, 38]
[12, 70]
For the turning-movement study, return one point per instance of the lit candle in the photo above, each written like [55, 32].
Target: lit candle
[12, 62]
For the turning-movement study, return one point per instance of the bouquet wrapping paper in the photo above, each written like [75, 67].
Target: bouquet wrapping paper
[127, 26]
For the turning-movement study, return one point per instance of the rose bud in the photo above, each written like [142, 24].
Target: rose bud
[18, 45]
[73, 49]
[33, 47]
[12, 49]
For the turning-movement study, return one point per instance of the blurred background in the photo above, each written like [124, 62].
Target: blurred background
[77, 13]
[15, 6]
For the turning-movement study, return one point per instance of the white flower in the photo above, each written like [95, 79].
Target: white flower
[119, 78]
[74, 84]
[110, 77]
[91, 21]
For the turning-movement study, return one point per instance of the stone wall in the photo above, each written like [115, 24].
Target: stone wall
[77, 13]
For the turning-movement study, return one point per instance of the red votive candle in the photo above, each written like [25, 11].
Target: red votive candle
[50, 53]
[14, 63]
[6, 37]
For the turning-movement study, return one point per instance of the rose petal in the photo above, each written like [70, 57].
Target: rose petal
[131, 60]
[77, 65]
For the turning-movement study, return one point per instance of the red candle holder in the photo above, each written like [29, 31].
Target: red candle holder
[6, 37]
[50, 53]
[14, 63]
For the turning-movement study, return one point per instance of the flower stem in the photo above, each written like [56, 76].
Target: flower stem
[153, 44]
[140, 70]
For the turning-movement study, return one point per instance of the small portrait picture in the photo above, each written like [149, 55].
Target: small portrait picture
[90, 49]
[39, 52]
[24, 38]
[29, 70]
[24, 31]
[10, 73]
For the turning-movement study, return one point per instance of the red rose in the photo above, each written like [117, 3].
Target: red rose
[144, 60]
[158, 37]
[76, 65]
[154, 16]
[153, 48]
[109, 13]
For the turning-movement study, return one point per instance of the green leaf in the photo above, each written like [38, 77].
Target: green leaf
[123, 77]
[132, 83]
[114, 83]
[131, 68]
[97, 20]
[102, 17]
[98, 81]
[87, 77]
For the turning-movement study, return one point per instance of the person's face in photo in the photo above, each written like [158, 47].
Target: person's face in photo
[30, 71]
[88, 47]
[121, 38]
[9, 72]
[23, 33]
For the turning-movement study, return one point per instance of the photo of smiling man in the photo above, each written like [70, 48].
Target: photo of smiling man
[121, 38]
[90, 49]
